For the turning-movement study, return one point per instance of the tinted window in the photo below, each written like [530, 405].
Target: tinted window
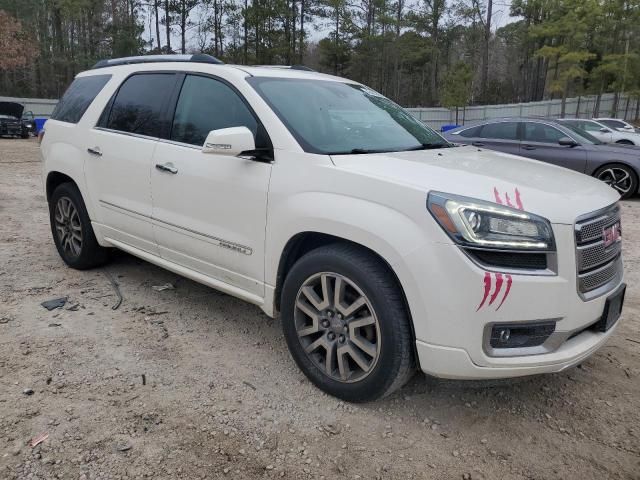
[138, 105]
[586, 126]
[500, 131]
[539, 132]
[613, 123]
[206, 104]
[78, 97]
[470, 132]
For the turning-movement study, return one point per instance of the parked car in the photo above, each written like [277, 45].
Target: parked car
[618, 124]
[14, 121]
[559, 143]
[602, 132]
[321, 201]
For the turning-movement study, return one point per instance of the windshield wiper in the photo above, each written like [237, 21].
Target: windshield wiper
[429, 146]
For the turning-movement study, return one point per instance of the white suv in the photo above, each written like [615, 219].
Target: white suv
[381, 247]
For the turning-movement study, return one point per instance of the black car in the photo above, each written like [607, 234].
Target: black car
[559, 143]
[14, 121]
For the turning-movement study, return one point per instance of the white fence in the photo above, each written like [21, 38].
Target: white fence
[581, 107]
[41, 107]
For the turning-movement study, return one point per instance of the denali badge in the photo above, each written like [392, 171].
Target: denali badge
[612, 234]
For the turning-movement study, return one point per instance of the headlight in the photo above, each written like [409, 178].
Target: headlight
[480, 224]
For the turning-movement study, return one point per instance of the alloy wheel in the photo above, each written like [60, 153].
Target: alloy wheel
[617, 178]
[337, 327]
[68, 226]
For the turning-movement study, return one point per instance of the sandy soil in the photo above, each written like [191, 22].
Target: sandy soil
[190, 383]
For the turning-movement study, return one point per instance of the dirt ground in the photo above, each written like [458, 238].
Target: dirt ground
[191, 383]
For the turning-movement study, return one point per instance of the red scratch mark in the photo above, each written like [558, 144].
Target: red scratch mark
[509, 204]
[497, 195]
[498, 288]
[506, 292]
[518, 200]
[487, 289]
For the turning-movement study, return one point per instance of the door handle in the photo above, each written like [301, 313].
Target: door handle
[478, 144]
[95, 151]
[528, 147]
[167, 167]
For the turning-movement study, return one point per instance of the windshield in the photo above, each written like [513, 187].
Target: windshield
[335, 118]
[580, 135]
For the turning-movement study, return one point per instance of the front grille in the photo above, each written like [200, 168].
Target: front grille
[598, 266]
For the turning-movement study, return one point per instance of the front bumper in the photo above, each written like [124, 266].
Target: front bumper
[12, 129]
[451, 320]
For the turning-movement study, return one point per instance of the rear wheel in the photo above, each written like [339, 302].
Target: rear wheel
[346, 323]
[72, 231]
[625, 142]
[620, 177]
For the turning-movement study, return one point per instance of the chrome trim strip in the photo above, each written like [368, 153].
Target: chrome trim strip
[128, 134]
[220, 242]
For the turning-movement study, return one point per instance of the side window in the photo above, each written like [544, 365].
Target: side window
[539, 132]
[592, 127]
[78, 97]
[612, 123]
[470, 132]
[500, 131]
[206, 104]
[139, 103]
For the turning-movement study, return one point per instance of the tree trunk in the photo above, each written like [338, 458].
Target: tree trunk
[485, 61]
[246, 39]
[157, 15]
[167, 21]
[301, 43]
[183, 26]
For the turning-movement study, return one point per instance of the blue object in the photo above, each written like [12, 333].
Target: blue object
[446, 128]
[39, 123]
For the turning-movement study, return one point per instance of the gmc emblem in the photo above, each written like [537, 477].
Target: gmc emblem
[612, 234]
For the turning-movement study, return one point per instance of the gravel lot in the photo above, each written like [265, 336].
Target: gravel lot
[191, 383]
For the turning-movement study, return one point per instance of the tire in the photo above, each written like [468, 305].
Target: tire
[390, 361]
[72, 231]
[620, 177]
[625, 142]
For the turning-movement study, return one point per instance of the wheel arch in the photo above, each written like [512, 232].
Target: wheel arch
[54, 179]
[612, 163]
[303, 242]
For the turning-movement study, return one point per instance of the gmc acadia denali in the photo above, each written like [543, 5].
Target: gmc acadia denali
[382, 248]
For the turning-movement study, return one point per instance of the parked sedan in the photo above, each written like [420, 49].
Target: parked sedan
[559, 143]
[618, 124]
[602, 132]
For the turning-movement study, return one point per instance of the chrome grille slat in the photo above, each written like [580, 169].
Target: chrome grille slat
[599, 277]
[599, 269]
[593, 255]
[591, 229]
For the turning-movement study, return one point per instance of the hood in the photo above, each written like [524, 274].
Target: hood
[555, 193]
[12, 109]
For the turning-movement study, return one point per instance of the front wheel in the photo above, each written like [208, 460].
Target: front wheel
[346, 324]
[620, 177]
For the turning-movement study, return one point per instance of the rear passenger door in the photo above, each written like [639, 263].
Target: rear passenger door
[500, 136]
[119, 154]
[541, 142]
[210, 210]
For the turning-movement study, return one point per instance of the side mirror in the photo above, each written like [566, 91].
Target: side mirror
[605, 130]
[229, 141]
[567, 142]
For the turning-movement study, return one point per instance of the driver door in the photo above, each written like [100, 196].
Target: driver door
[540, 142]
[210, 210]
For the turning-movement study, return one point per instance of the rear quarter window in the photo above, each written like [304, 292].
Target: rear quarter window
[138, 106]
[78, 97]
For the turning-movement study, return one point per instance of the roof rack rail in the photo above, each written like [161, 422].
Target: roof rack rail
[197, 58]
[302, 67]
[286, 67]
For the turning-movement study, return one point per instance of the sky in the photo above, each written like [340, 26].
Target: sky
[500, 18]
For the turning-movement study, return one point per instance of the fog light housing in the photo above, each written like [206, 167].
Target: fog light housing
[520, 335]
